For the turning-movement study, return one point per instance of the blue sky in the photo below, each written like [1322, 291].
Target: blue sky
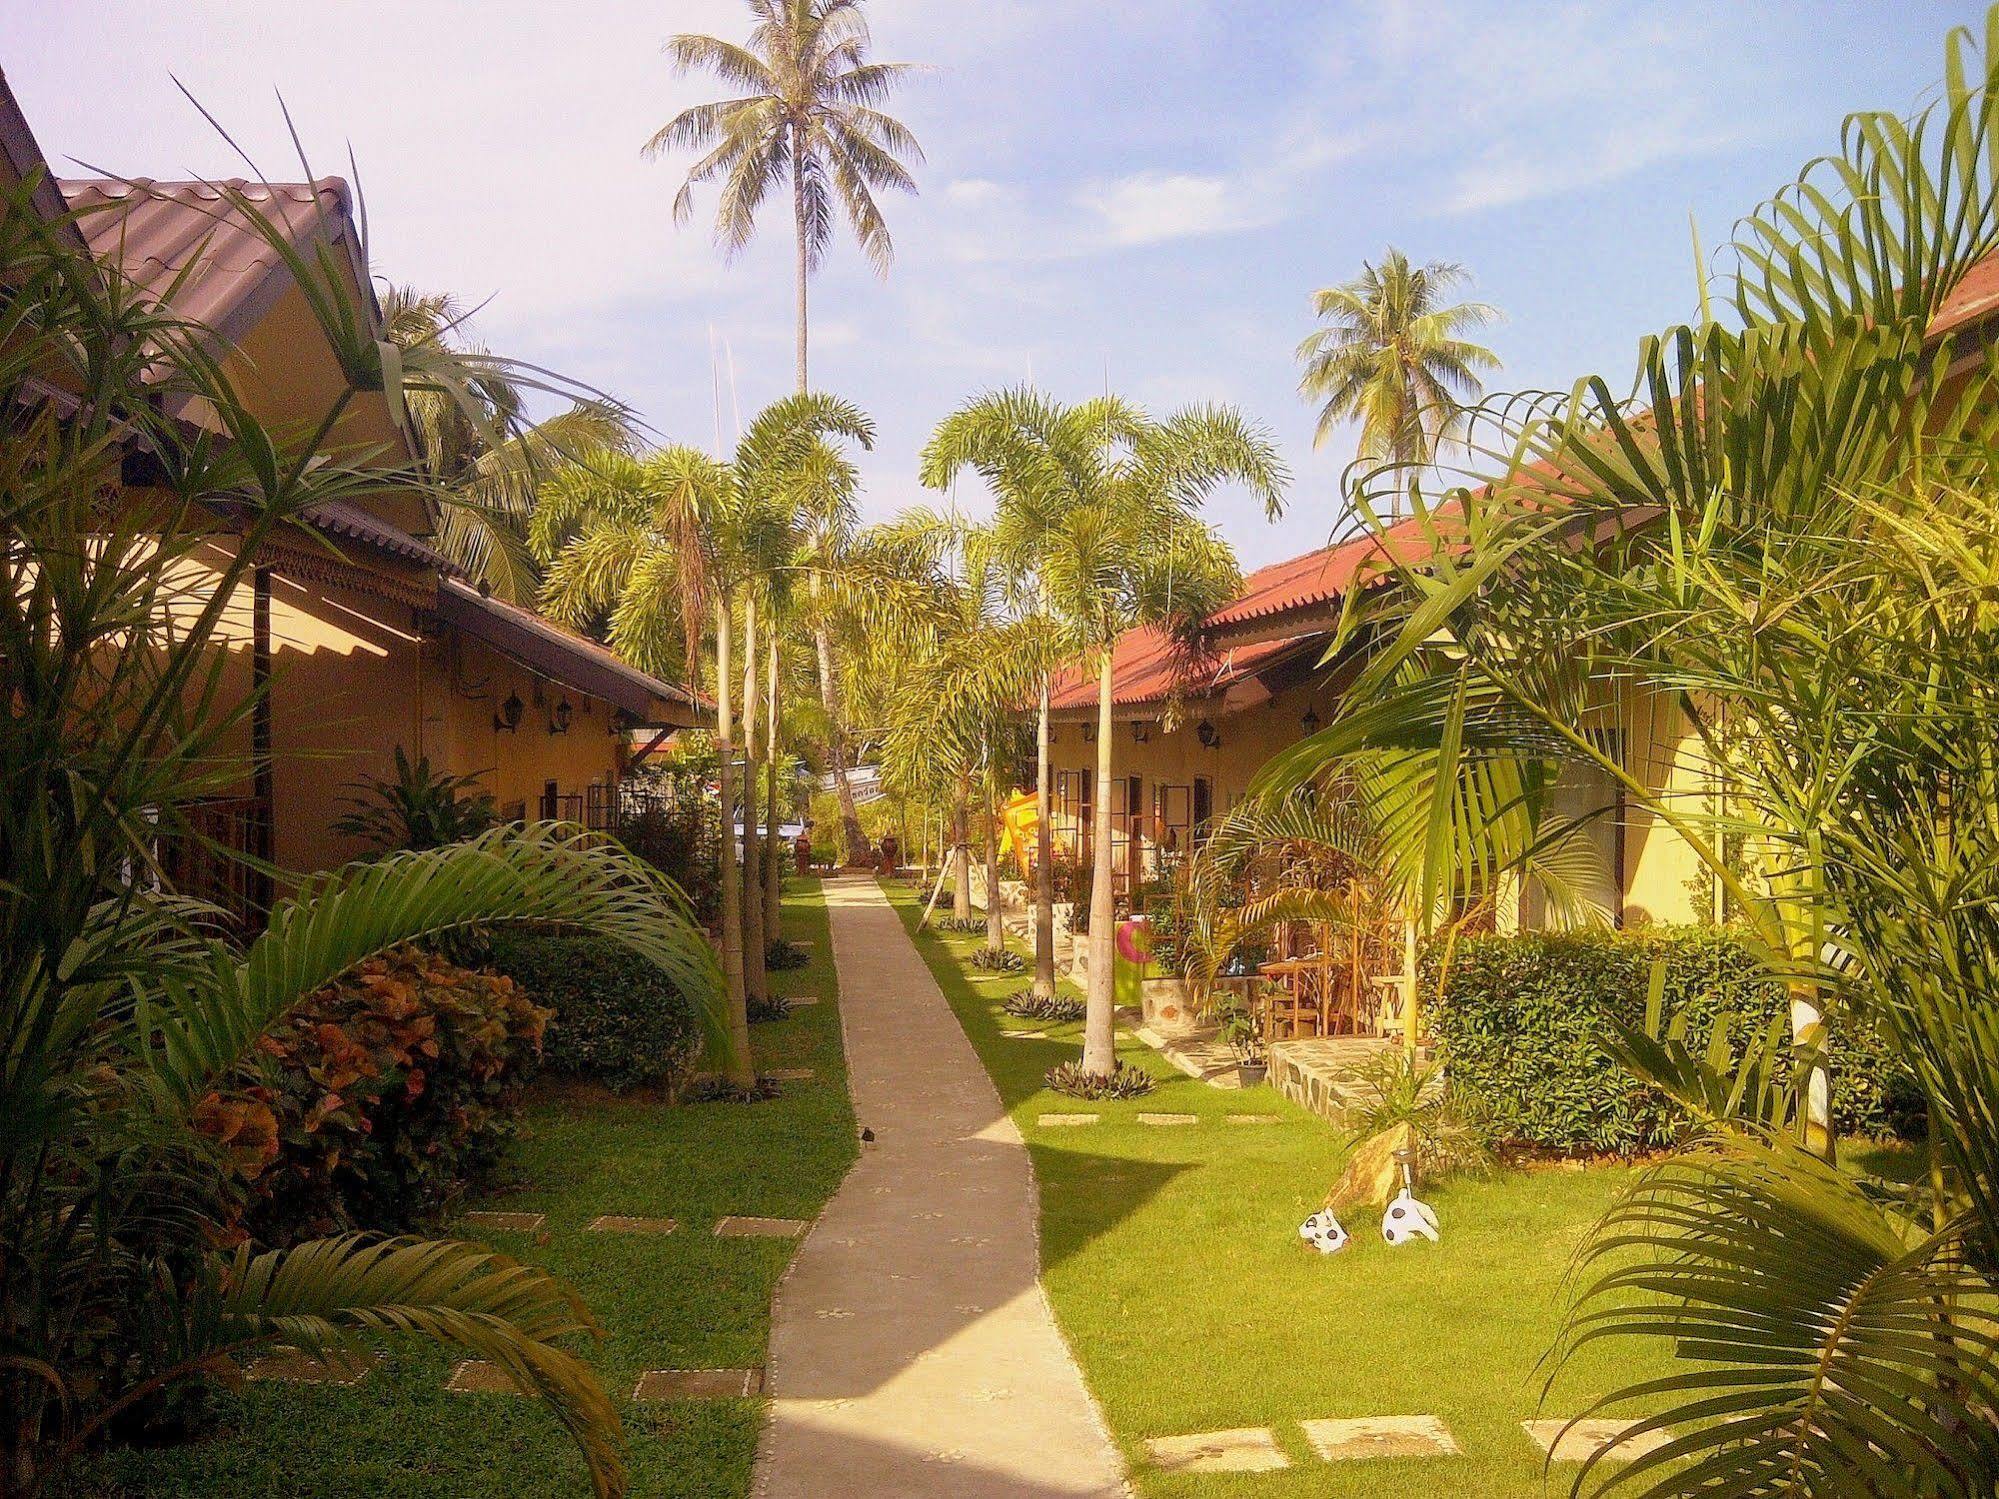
[1139, 193]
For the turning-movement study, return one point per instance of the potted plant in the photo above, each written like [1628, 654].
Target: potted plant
[1244, 1035]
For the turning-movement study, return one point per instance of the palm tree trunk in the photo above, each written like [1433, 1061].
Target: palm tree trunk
[995, 916]
[736, 1066]
[1099, 1030]
[773, 847]
[800, 268]
[961, 853]
[851, 838]
[1044, 873]
[756, 986]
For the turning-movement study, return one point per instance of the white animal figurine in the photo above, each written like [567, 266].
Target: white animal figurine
[1406, 1218]
[1323, 1232]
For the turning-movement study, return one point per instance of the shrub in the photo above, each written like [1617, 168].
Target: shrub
[618, 1020]
[960, 924]
[1122, 1081]
[1523, 1019]
[669, 817]
[770, 1007]
[999, 960]
[1027, 1005]
[383, 1093]
[417, 807]
[781, 955]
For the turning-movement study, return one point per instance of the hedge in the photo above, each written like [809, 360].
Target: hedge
[618, 1019]
[1521, 1026]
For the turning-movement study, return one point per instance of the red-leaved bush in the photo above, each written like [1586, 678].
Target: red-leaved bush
[379, 1097]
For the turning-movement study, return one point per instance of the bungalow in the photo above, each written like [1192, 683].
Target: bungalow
[365, 639]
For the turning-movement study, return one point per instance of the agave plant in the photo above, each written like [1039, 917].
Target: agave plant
[120, 1010]
[1791, 550]
[417, 807]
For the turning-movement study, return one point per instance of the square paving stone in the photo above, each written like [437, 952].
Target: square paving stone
[698, 1384]
[506, 1223]
[1578, 1442]
[614, 1223]
[1252, 1118]
[1025, 1035]
[1163, 1119]
[474, 1376]
[1247, 1449]
[1354, 1437]
[796, 1000]
[287, 1365]
[1065, 1121]
[733, 1227]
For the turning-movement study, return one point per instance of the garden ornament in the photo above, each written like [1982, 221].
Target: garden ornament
[1407, 1218]
[1323, 1232]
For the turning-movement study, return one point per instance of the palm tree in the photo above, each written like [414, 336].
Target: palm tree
[641, 544]
[1101, 503]
[1395, 358]
[806, 111]
[485, 462]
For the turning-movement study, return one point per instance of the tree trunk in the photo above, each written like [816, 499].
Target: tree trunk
[736, 1066]
[961, 856]
[1044, 873]
[1099, 1028]
[800, 262]
[995, 915]
[851, 838]
[756, 985]
[773, 845]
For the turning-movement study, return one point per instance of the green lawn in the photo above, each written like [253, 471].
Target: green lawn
[1172, 1260]
[688, 1300]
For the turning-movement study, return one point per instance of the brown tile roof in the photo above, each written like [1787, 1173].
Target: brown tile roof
[152, 232]
[350, 522]
[563, 656]
[24, 156]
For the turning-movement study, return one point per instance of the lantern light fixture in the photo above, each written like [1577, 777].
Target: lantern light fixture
[558, 718]
[1208, 734]
[1310, 722]
[508, 719]
[1140, 730]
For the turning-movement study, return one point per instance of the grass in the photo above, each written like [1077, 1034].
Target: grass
[1172, 1259]
[687, 1300]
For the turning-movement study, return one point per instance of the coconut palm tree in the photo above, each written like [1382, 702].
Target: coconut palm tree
[806, 111]
[1396, 358]
[485, 461]
[1101, 503]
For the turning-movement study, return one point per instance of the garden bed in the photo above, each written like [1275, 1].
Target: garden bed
[685, 1299]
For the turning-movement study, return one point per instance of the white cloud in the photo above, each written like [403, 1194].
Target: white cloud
[1147, 208]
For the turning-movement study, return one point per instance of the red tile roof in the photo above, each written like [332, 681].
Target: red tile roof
[1145, 669]
[153, 231]
[1972, 300]
[1320, 577]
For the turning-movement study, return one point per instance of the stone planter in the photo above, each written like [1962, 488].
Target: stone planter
[1168, 1007]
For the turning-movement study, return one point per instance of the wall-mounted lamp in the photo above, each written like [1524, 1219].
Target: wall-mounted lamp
[1089, 733]
[558, 719]
[1140, 731]
[1208, 734]
[508, 718]
[1310, 722]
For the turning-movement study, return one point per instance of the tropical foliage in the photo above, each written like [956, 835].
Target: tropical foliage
[1790, 551]
[417, 807]
[1395, 358]
[123, 1013]
[1099, 505]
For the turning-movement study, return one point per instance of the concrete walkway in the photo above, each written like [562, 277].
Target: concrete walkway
[912, 1352]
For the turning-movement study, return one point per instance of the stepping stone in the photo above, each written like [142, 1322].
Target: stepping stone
[1246, 1449]
[797, 1001]
[506, 1223]
[1065, 1121]
[790, 1074]
[1252, 1119]
[1164, 1119]
[1354, 1437]
[699, 1384]
[612, 1223]
[1582, 1439]
[733, 1227]
[287, 1365]
[1025, 1035]
[474, 1376]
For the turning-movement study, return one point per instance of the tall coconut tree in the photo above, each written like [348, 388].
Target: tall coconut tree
[1396, 357]
[1102, 502]
[806, 114]
[487, 463]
